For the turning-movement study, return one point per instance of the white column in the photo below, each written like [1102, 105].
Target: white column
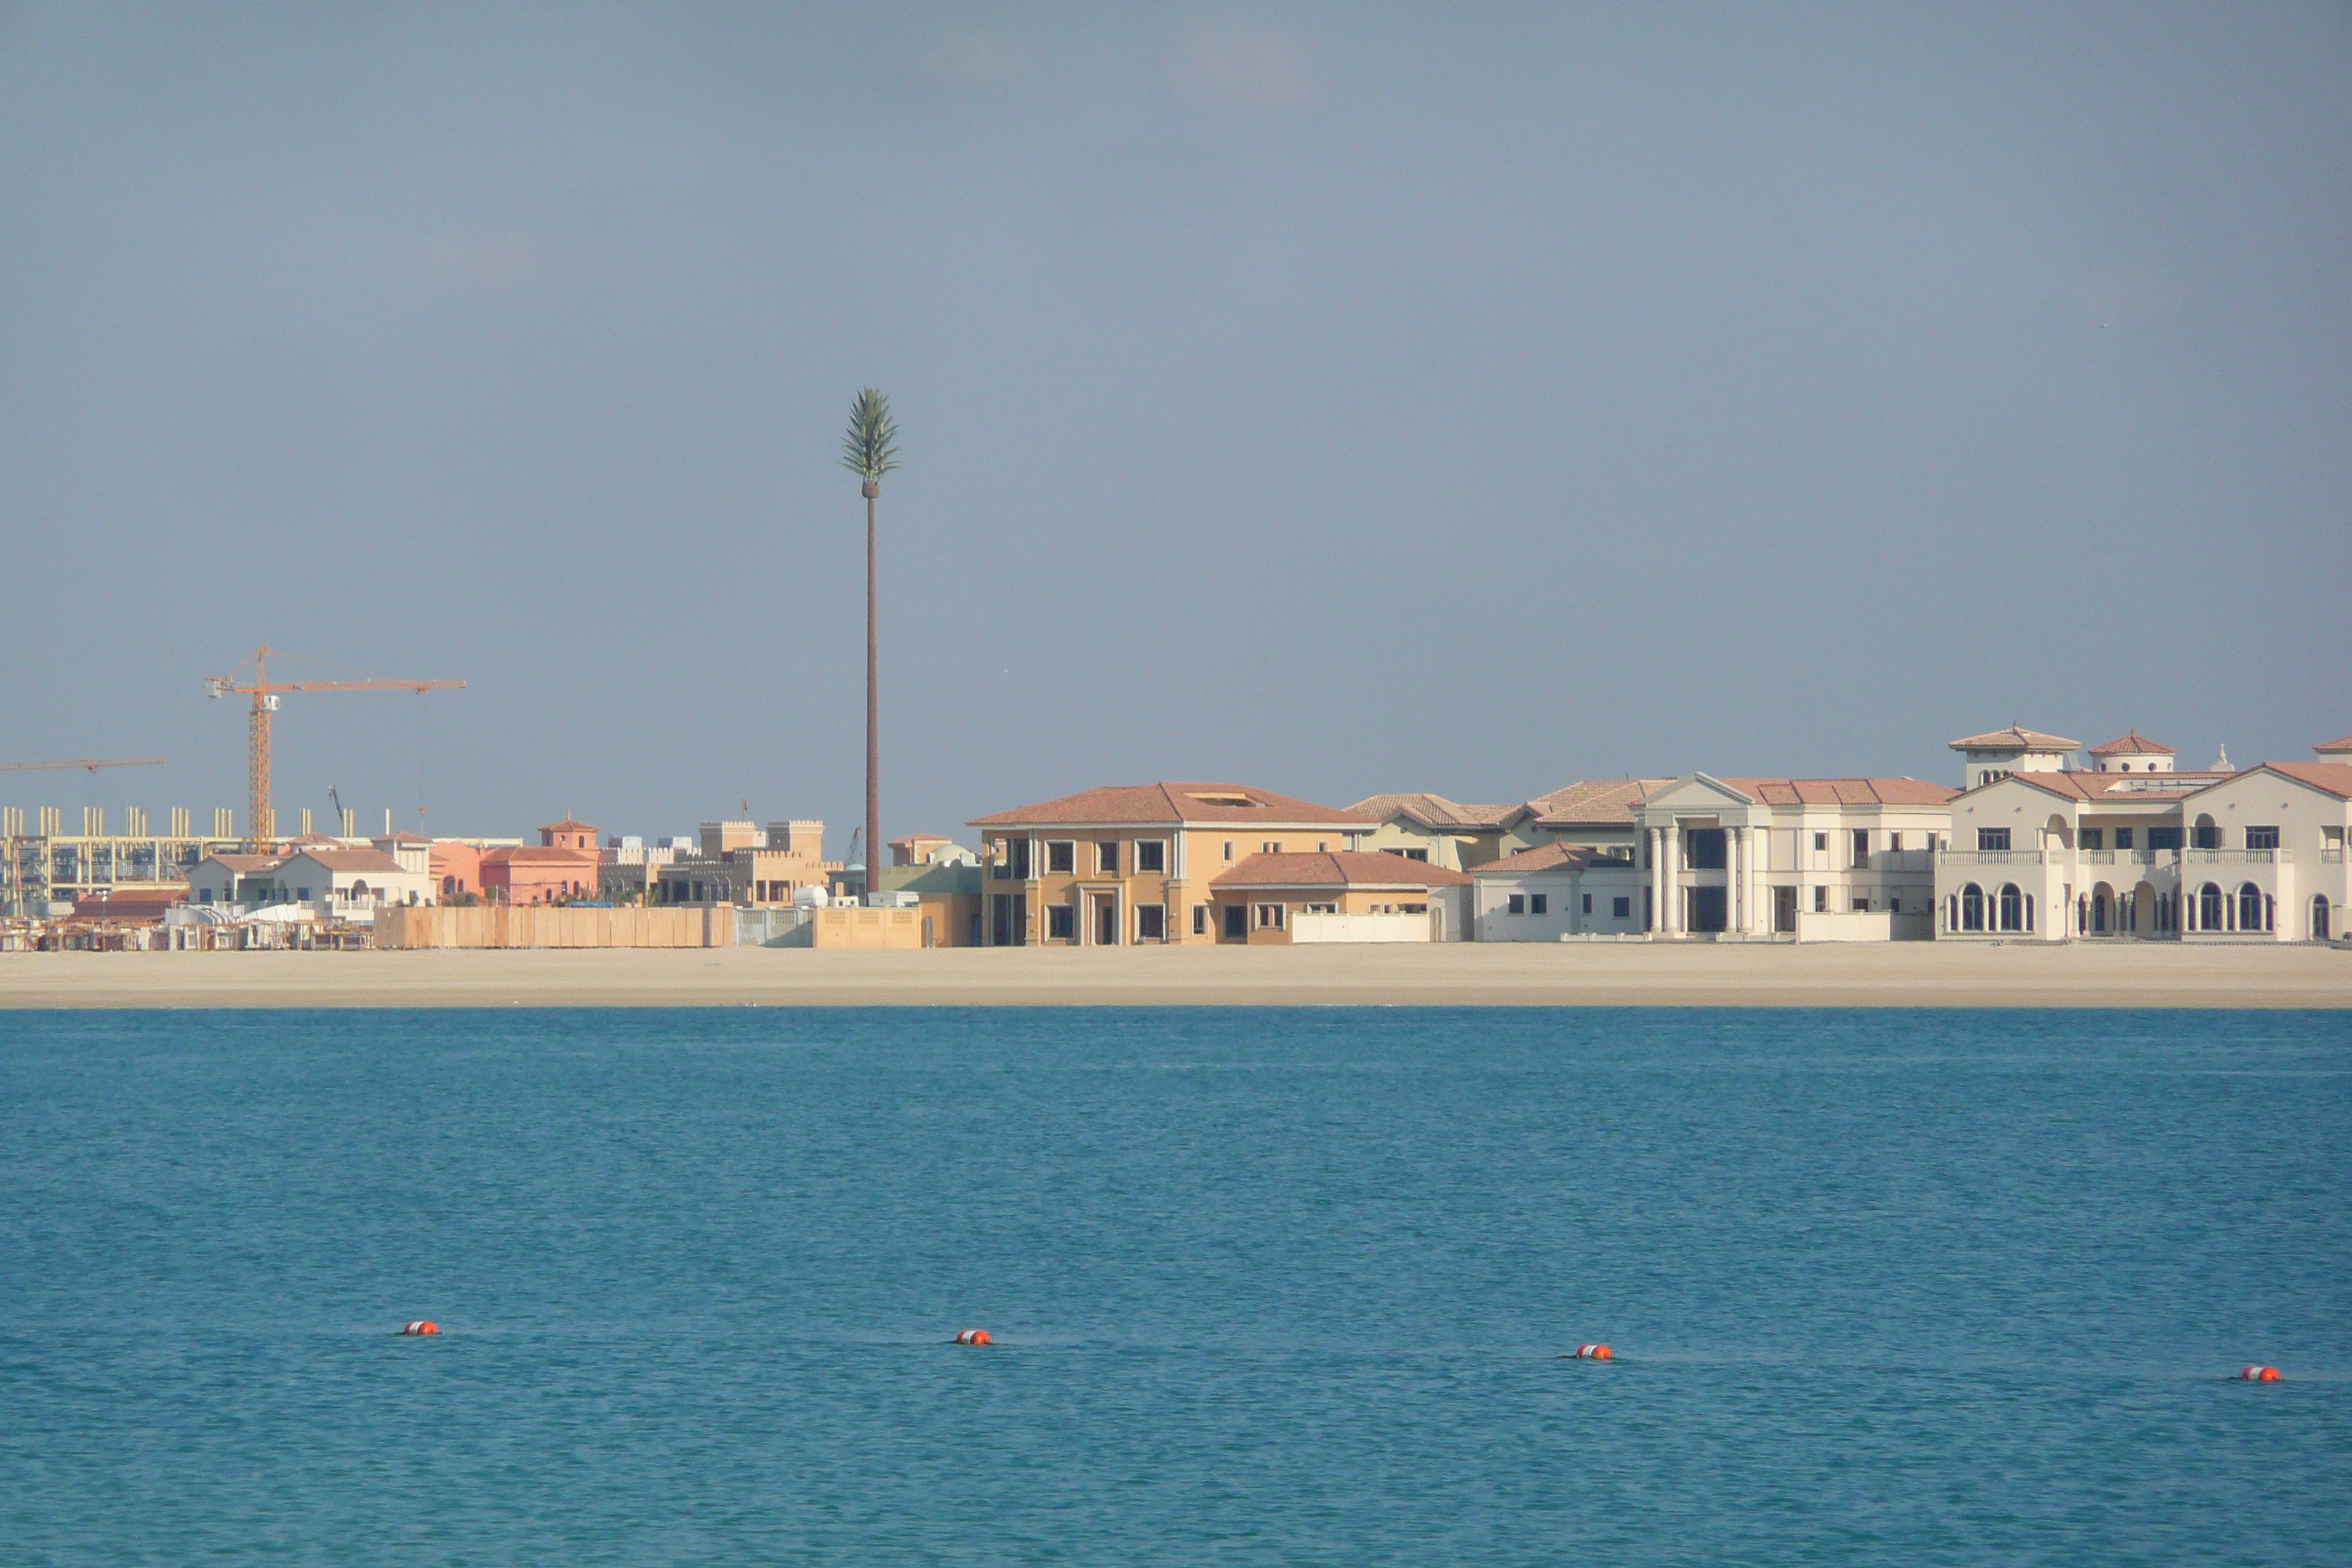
[1737, 896]
[1657, 886]
[1672, 918]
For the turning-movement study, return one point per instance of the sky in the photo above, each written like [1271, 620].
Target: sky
[1337, 400]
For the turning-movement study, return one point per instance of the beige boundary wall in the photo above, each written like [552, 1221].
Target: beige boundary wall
[528, 925]
[853, 927]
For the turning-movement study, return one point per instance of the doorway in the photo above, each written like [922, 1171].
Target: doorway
[1784, 910]
[1708, 908]
[1106, 919]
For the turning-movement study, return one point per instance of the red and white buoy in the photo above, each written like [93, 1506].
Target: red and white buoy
[1594, 1353]
[2259, 1375]
[422, 1326]
[974, 1337]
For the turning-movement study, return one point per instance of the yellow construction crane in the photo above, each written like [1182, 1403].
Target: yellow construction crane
[64, 764]
[261, 825]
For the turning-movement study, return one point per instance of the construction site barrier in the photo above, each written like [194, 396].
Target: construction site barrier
[554, 925]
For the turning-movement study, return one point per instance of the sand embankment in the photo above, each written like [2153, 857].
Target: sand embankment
[1930, 974]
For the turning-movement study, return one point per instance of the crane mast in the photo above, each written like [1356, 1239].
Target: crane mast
[261, 823]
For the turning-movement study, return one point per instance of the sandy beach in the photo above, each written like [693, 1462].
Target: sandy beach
[1907, 975]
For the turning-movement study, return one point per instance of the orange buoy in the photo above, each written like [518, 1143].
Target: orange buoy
[2259, 1375]
[974, 1337]
[422, 1326]
[1594, 1353]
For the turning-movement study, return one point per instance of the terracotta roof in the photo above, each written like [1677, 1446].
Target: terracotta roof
[1842, 791]
[2016, 740]
[2132, 744]
[1595, 803]
[352, 859]
[245, 864]
[401, 839]
[2339, 747]
[2124, 786]
[131, 903]
[1351, 868]
[308, 838]
[540, 854]
[1171, 804]
[1435, 811]
[1547, 857]
[2334, 778]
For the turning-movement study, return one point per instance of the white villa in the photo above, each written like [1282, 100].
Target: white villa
[1809, 859]
[2135, 849]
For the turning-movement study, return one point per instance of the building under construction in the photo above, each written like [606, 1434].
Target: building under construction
[49, 866]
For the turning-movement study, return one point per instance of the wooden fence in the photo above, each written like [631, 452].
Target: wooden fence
[543, 925]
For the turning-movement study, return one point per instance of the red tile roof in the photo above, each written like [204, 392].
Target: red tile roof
[353, 859]
[2132, 744]
[131, 903]
[1842, 791]
[2015, 739]
[1595, 803]
[539, 855]
[246, 865]
[568, 824]
[1158, 805]
[2117, 786]
[2334, 778]
[2338, 747]
[1435, 811]
[1347, 869]
[1547, 857]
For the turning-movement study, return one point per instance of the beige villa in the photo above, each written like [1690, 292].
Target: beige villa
[1593, 814]
[1136, 863]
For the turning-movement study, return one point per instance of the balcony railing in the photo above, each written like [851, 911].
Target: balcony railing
[2239, 857]
[2333, 856]
[1989, 857]
[2097, 856]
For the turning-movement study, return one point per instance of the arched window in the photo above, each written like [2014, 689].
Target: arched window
[2012, 907]
[2208, 907]
[2099, 911]
[2249, 909]
[1972, 908]
[449, 886]
[2319, 917]
[2206, 835]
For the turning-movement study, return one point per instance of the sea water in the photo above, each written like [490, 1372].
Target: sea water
[1267, 1287]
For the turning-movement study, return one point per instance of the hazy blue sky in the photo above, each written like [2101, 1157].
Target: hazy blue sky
[1337, 399]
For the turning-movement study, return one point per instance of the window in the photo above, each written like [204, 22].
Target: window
[1236, 922]
[1993, 838]
[1622, 907]
[1862, 903]
[1420, 855]
[1972, 908]
[1269, 917]
[1151, 922]
[1270, 846]
[2207, 836]
[1061, 857]
[1229, 849]
[1588, 903]
[1107, 857]
[1200, 920]
[1517, 904]
[1861, 845]
[2013, 906]
[1319, 908]
[1061, 922]
[1538, 903]
[1895, 906]
[1413, 909]
[1150, 856]
[1821, 842]
[2262, 837]
[205, 897]
[2164, 838]
[1821, 900]
[2093, 839]
[2123, 837]
[1895, 840]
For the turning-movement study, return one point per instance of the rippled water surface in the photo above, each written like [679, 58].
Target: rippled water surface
[1269, 1287]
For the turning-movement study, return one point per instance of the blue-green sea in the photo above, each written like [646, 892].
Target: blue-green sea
[1267, 1286]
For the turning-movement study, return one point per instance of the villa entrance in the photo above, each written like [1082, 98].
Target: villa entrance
[1106, 915]
[1784, 910]
[1708, 908]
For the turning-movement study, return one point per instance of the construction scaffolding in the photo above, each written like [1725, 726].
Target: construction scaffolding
[49, 866]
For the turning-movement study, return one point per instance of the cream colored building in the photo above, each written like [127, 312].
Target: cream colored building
[1135, 863]
[739, 864]
[2251, 854]
[2016, 750]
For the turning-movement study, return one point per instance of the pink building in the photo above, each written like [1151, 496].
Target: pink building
[539, 876]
